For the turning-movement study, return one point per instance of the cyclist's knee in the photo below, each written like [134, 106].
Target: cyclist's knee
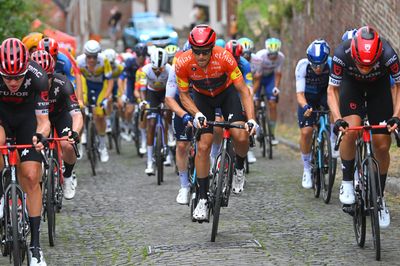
[181, 147]
[31, 172]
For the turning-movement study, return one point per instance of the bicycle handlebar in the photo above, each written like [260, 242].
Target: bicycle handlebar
[157, 109]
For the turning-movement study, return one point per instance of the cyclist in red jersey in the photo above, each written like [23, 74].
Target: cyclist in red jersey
[24, 109]
[360, 74]
[214, 75]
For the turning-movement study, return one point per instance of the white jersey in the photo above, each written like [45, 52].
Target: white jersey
[154, 82]
[255, 63]
[267, 66]
[172, 86]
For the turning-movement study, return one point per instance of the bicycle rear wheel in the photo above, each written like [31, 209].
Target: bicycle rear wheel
[159, 156]
[137, 134]
[217, 193]
[262, 135]
[15, 223]
[359, 219]
[326, 170]
[91, 146]
[374, 207]
[52, 180]
[268, 142]
[115, 131]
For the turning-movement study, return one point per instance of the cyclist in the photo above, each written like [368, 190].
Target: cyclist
[64, 65]
[24, 110]
[349, 34]
[271, 72]
[236, 49]
[117, 70]
[97, 70]
[220, 43]
[65, 115]
[171, 50]
[155, 80]
[32, 40]
[132, 75]
[215, 76]
[361, 69]
[181, 120]
[312, 76]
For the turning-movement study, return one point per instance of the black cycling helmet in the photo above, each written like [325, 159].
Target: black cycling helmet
[140, 49]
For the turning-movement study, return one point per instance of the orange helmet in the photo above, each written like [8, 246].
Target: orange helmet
[32, 40]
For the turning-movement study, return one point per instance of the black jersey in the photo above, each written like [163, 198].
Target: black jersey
[343, 65]
[62, 96]
[33, 91]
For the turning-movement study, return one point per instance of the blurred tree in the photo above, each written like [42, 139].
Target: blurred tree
[16, 17]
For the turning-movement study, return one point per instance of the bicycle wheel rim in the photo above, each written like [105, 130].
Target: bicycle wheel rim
[315, 172]
[16, 244]
[374, 208]
[264, 135]
[218, 196]
[158, 151]
[50, 201]
[359, 221]
[91, 147]
[327, 167]
[116, 133]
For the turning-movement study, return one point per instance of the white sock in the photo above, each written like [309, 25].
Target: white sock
[306, 160]
[143, 136]
[333, 136]
[102, 140]
[149, 154]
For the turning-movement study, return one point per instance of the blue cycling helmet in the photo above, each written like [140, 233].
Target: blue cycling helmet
[220, 43]
[349, 34]
[318, 52]
[186, 46]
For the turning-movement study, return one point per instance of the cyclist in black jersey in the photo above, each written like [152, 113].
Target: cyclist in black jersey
[24, 115]
[65, 116]
[360, 74]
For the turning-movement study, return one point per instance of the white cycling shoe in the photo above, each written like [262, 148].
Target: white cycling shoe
[183, 196]
[69, 188]
[384, 216]
[238, 181]
[250, 157]
[149, 170]
[346, 193]
[306, 182]
[104, 157]
[201, 211]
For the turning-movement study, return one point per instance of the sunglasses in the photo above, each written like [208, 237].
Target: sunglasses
[91, 56]
[203, 52]
[160, 69]
[317, 65]
[14, 77]
[273, 55]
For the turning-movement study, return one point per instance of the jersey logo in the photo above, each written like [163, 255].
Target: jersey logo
[367, 47]
[56, 90]
[24, 152]
[27, 83]
[394, 68]
[66, 130]
[44, 95]
[337, 70]
[353, 106]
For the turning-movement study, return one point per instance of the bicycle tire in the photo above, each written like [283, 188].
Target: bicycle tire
[247, 165]
[315, 172]
[110, 140]
[158, 155]
[263, 134]
[326, 171]
[137, 134]
[374, 214]
[218, 195]
[359, 218]
[194, 199]
[16, 244]
[116, 130]
[91, 146]
[50, 200]
[5, 249]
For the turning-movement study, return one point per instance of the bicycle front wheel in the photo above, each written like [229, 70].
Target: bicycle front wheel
[263, 135]
[217, 192]
[359, 218]
[116, 130]
[159, 155]
[374, 207]
[15, 223]
[326, 170]
[315, 162]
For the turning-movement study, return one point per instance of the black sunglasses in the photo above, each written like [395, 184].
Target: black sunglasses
[317, 65]
[203, 52]
[91, 56]
[13, 77]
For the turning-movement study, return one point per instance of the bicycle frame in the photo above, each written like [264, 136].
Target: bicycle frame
[323, 120]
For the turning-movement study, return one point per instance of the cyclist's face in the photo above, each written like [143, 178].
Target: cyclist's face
[140, 59]
[13, 83]
[91, 60]
[202, 55]
[364, 69]
[317, 68]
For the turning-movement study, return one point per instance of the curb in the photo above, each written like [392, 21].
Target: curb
[392, 183]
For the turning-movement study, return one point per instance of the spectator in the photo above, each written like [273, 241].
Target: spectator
[114, 25]
[194, 16]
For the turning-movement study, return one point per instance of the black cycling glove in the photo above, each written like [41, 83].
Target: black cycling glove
[338, 124]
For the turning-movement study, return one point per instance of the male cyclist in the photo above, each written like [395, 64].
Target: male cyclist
[360, 74]
[24, 115]
[215, 75]
[97, 71]
[171, 50]
[312, 76]
[32, 40]
[155, 80]
[65, 115]
[271, 61]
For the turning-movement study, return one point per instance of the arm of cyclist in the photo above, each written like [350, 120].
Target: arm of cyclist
[301, 100]
[300, 74]
[394, 122]
[247, 101]
[333, 103]
[278, 77]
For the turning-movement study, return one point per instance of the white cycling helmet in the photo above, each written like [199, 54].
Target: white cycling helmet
[158, 58]
[110, 54]
[92, 47]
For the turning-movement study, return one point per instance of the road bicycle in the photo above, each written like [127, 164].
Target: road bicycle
[367, 186]
[264, 135]
[115, 134]
[160, 150]
[92, 145]
[323, 164]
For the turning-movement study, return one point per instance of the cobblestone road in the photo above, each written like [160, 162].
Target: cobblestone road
[121, 217]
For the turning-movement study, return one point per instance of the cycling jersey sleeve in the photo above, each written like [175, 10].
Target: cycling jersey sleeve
[107, 69]
[246, 71]
[338, 66]
[141, 80]
[41, 86]
[182, 79]
[281, 59]
[300, 73]
[70, 98]
[172, 87]
[391, 60]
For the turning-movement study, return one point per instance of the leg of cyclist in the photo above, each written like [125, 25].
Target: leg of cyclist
[151, 126]
[216, 146]
[129, 109]
[182, 154]
[99, 116]
[2, 142]
[169, 137]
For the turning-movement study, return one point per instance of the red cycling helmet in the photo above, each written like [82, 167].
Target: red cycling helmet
[44, 59]
[235, 48]
[14, 57]
[49, 45]
[366, 46]
[202, 35]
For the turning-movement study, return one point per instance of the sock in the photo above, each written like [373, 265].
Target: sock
[348, 169]
[143, 136]
[306, 160]
[149, 154]
[272, 125]
[203, 187]
[183, 175]
[383, 182]
[68, 169]
[102, 140]
[35, 231]
[215, 150]
[239, 162]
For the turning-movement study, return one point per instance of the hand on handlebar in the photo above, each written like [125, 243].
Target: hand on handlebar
[275, 91]
[73, 137]
[39, 141]
[251, 126]
[187, 120]
[393, 123]
[340, 125]
[307, 110]
[143, 104]
[200, 120]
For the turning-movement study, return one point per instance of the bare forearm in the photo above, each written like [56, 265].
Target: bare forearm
[174, 106]
[77, 122]
[278, 77]
[301, 99]
[43, 125]
[110, 85]
[396, 109]
[188, 103]
[247, 101]
[333, 101]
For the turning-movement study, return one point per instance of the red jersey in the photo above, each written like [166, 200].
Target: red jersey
[222, 70]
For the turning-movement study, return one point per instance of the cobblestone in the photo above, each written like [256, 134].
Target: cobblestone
[117, 215]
